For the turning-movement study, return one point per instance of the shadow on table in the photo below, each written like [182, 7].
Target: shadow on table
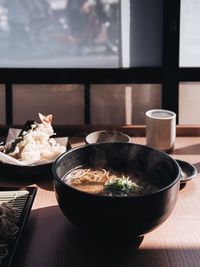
[45, 183]
[197, 166]
[187, 150]
[50, 240]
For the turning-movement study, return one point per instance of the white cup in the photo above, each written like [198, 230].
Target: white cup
[161, 129]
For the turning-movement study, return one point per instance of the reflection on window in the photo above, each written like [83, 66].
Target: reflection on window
[81, 33]
[59, 33]
[190, 33]
[189, 109]
[123, 104]
[64, 101]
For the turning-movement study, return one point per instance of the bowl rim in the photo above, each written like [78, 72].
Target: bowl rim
[150, 114]
[56, 177]
[129, 139]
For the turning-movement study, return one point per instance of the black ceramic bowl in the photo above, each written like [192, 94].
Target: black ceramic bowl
[118, 216]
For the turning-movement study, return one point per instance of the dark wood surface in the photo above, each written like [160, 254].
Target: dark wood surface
[49, 240]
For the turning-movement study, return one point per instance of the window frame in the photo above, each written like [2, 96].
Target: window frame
[169, 75]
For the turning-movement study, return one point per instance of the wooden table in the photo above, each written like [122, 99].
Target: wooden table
[50, 240]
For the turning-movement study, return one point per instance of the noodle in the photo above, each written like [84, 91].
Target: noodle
[3, 251]
[8, 228]
[106, 182]
[82, 176]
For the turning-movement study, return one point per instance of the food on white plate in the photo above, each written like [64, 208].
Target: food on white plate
[34, 142]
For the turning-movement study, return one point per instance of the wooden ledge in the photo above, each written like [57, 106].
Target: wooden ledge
[132, 130]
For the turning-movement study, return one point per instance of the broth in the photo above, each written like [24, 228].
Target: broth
[107, 182]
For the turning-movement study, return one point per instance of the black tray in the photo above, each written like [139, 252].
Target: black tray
[22, 199]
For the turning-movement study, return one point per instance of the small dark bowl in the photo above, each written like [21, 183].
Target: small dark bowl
[118, 216]
[188, 171]
[107, 136]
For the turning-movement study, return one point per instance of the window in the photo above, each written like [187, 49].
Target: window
[123, 104]
[65, 102]
[189, 62]
[190, 34]
[59, 33]
[189, 95]
[80, 34]
[138, 55]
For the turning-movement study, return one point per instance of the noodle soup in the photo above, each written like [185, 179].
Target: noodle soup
[107, 182]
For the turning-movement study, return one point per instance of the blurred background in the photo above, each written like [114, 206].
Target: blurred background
[153, 45]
